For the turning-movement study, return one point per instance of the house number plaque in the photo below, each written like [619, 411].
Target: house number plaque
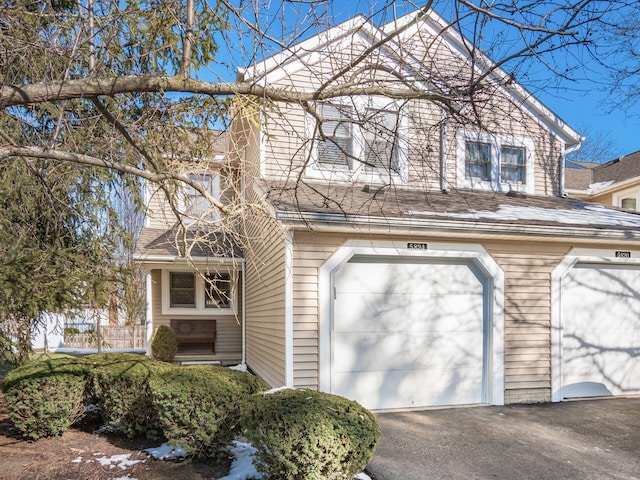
[620, 254]
[417, 246]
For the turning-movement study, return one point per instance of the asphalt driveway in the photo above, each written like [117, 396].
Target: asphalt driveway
[587, 439]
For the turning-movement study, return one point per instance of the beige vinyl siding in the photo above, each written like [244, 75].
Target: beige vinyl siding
[310, 252]
[159, 214]
[228, 327]
[287, 148]
[527, 322]
[527, 318]
[265, 299]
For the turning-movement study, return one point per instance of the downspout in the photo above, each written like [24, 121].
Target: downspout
[149, 324]
[444, 184]
[243, 196]
[567, 151]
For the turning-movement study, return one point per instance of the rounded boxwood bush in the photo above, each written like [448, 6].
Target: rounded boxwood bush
[309, 435]
[45, 397]
[119, 384]
[198, 406]
[164, 345]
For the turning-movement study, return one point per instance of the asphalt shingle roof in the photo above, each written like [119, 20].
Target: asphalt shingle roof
[348, 201]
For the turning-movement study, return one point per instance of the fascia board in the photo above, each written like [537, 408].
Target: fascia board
[475, 229]
[165, 259]
[613, 188]
[438, 26]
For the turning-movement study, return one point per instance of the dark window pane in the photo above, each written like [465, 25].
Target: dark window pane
[217, 290]
[182, 291]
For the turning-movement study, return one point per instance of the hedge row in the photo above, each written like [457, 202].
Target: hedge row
[135, 394]
[299, 434]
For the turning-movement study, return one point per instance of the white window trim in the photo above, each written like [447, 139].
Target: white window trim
[358, 172]
[496, 143]
[629, 193]
[200, 309]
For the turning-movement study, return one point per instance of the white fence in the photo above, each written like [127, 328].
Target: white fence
[112, 338]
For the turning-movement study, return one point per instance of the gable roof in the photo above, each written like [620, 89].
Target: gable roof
[276, 67]
[468, 214]
[596, 178]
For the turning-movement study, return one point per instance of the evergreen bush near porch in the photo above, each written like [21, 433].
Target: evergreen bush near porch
[309, 435]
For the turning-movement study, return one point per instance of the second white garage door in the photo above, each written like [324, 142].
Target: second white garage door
[600, 330]
[409, 333]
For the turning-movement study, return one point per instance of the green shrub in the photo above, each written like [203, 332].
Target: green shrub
[250, 384]
[309, 435]
[120, 386]
[164, 346]
[46, 397]
[71, 331]
[198, 406]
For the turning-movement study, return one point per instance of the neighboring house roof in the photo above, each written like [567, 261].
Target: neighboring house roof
[292, 59]
[596, 178]
[162, 244]
[464, 212]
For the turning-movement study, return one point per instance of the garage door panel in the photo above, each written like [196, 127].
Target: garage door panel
[408, 333]
[397, 389]
[406, 278]
[402, 351]
[380, 313]
[601, 331]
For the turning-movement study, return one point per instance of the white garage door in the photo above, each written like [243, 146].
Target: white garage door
[601, 331]
[409, 333]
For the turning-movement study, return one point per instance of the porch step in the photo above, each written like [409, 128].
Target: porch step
[200, 362]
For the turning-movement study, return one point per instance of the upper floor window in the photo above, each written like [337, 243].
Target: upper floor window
[513, 165]
[359, 139]
[628, 199]
[477, 161]
[495, 162]
[196, 206]
[629, 203]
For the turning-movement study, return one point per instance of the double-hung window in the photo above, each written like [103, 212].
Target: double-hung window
[182, 290]
[477, 161]
[186, 292]
[513, 165]
[335, 145]
[217, 290]
[359, 138]
[495, 162]
[197, 207]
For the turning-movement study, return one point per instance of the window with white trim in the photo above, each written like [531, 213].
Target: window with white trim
[185, 292]
[495, 162]
[628, 199]
[196, 206]
[359, 138]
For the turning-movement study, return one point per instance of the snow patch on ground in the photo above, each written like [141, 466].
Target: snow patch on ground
[121, 461]
[126, 477]
[77, 460]
[241, 367]
[362, 476]
[277, 389]
[243, 466]
[166, 452]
